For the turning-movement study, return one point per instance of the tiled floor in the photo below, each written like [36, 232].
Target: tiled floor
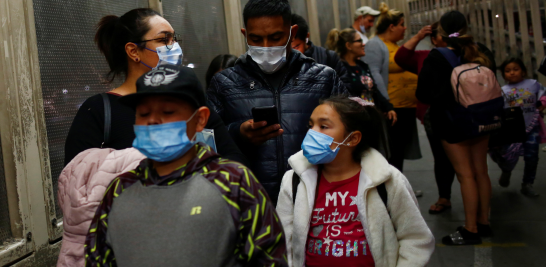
[519, 223]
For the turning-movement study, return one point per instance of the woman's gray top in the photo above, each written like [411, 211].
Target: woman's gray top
[377, 58]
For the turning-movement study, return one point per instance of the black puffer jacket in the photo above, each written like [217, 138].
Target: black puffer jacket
[329, 58]
[235, 91]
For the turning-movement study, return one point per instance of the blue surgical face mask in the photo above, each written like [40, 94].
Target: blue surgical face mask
[172, 56]
[163, 142]
[316, 147]
[362, 29]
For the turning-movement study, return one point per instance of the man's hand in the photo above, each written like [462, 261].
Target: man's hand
[257, 133]
[392, 116]
[427, 30]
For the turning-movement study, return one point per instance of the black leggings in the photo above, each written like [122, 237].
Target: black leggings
[443, 169]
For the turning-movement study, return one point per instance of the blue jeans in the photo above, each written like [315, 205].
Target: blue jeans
[507, 158]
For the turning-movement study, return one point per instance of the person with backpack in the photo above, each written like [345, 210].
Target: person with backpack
[411, 60]
[466, 105]
[184, 205]
[526, 94]
[342, 204]
[132, 45]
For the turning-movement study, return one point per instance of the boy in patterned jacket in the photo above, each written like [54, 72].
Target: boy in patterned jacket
[184, 205]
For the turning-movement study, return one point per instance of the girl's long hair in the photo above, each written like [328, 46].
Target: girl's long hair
[355, 117]
[454, 31]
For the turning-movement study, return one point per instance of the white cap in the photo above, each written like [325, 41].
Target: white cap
[366, 10]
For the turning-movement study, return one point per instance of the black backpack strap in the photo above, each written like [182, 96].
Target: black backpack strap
[382, 191]
[295, 183]
[450, 56]
[107, 118]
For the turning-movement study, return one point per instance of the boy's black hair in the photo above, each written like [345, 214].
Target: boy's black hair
[516, 60]
[220, 62]
[303, 28]
[267, 8]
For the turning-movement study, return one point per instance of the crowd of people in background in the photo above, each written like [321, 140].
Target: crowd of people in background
[303, 160]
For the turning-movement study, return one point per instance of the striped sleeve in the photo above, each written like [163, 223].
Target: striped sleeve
[97, 251]
[262, 241]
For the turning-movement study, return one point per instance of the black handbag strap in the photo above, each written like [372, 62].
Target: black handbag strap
[107, 118]
[382, 191]
[295, 183]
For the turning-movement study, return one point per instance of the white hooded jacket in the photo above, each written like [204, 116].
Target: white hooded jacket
[399, 240]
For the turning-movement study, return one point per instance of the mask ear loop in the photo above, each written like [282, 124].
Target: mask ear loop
[141, 60]
[289, 36]
[342, 143]
[146, 65]
[246, 39]
[193, 115]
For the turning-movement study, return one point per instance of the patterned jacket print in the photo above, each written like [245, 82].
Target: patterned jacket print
[260, 241]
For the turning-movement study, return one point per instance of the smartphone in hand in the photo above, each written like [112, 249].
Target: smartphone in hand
[268, 114]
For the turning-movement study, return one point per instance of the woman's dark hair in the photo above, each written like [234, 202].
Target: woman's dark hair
[114, 32]
[220, 62]
[355, 117]
[267, 8]
[513, 60]
[454, 31]
[303, 28]
[434, 28]
[337, 40]
[387, 17]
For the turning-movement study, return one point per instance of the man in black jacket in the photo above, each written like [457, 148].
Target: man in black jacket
[271, 73]
[320, 54]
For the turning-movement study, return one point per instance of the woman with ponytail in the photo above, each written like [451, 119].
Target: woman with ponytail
[350, 48]
[132, 45]
[342, 204]
[469, 157]
[396, 84]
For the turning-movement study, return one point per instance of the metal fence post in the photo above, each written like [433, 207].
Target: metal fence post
[156, 5]
[509, 7]
[234, 18]
[537, 32]
[314, 27]
[524, 30]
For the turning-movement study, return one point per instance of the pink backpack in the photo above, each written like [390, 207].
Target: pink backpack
[479, 98]
[473, 84]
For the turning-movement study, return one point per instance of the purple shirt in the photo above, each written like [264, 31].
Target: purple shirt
[524, 94]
